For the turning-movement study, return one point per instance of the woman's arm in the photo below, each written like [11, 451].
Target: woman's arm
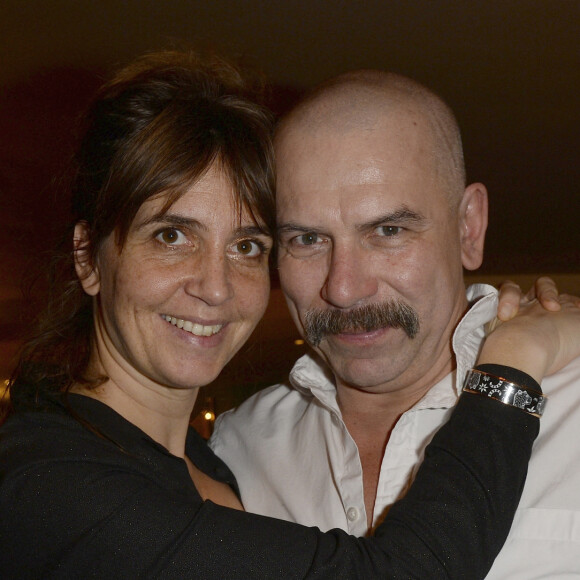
[451, 524]
[456, 516]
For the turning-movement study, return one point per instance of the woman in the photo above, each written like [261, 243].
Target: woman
[100, 474]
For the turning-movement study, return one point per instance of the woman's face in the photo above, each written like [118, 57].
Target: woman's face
[187, 288]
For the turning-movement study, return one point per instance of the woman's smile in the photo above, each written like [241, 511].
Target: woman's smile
[193, 327]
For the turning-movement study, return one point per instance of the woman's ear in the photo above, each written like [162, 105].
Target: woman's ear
[473, 224]
[87, 272]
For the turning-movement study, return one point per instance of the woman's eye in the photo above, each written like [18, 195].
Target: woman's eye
[388, 231]
[171, 237]
[249, 248]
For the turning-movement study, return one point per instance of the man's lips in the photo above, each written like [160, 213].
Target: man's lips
[360, 335]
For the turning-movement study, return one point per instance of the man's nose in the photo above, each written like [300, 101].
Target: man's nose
[350, 279]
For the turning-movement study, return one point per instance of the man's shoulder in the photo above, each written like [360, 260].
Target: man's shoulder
[565, 384]
[276, 412]
[571, 371]
[548, 516]
[272, 395]
[264, 405]
[282, 398]
[561, 419]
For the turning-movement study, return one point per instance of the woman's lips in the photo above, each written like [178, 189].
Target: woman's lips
[193, 327]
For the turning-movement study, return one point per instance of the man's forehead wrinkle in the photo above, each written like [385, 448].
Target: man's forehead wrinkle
[302, 218]
[407, 125]
[371, 175]
[359, 99]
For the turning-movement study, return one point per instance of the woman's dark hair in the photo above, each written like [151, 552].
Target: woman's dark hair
[155, 128]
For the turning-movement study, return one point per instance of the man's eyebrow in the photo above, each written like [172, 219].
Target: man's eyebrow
[292, 227]
[401, 216]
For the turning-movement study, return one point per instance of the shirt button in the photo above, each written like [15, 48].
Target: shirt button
[335, 419]
[352, 514]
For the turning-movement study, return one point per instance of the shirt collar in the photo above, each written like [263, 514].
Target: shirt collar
[470, 331]
[313, 377]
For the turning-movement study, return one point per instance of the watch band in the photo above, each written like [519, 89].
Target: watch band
[482, 383]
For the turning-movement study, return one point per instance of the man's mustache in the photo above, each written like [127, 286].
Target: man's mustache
[394, 313]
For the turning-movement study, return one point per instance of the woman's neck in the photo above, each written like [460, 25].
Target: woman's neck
[162, 412]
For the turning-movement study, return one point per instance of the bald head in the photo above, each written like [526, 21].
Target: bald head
[361, 100]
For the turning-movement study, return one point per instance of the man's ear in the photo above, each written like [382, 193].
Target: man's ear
[473, 224]
[87, 272]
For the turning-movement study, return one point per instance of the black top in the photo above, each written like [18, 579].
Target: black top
[106, 501]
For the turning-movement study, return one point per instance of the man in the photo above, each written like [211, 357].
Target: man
[375, 226]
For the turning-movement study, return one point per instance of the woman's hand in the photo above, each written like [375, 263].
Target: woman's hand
[537, 340]
[511, 297]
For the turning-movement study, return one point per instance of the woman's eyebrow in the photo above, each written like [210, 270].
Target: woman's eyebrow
[252, 230]
[174, 220]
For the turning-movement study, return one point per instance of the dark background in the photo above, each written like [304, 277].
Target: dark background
[509, 68]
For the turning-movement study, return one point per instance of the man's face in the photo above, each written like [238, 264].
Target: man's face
[364, 221]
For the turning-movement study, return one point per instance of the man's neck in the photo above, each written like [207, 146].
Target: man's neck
[370, 418]
[377, 402]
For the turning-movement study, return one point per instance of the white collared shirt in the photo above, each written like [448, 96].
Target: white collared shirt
[294, 458]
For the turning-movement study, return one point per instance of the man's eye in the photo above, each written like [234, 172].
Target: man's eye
[171, 237]
[307, 239]
[388, 231]
[304, 245]
[249, 248]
